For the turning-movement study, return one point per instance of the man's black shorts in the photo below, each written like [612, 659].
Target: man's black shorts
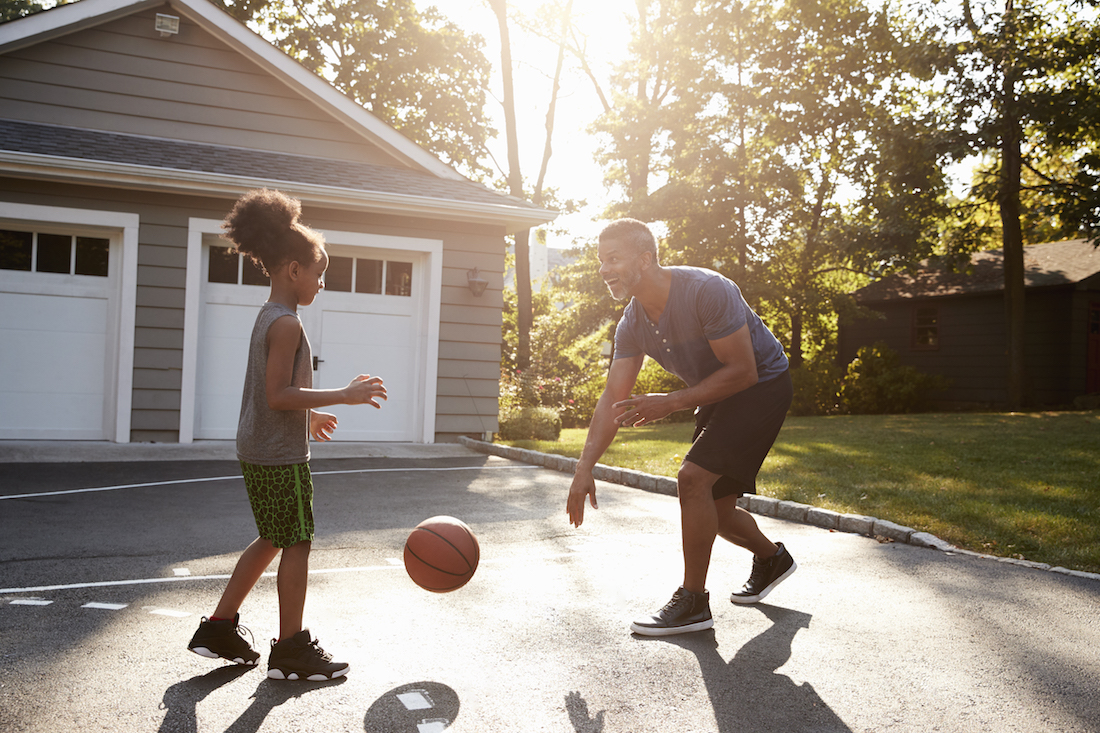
[732, 437]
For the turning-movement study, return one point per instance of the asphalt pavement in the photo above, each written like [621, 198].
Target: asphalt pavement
[108, 562]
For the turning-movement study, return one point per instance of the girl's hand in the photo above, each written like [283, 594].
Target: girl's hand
[321, 425]
[365, 390]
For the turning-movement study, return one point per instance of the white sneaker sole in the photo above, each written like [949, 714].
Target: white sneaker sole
[204, 652]
[671, 630]
[747, 600]
[277, 674]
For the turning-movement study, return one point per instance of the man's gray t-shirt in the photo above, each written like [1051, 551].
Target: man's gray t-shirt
[702, 306]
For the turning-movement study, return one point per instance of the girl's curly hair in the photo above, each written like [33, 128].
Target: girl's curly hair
[264, 225]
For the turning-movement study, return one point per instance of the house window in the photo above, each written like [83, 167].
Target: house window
[344, 274]
[361, 275]
[926, 328]
[226, 266]
[62, 254]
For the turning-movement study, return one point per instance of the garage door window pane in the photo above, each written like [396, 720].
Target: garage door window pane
[55, 252]
[251, 274]
[338, 274]
[223, 266]
[368, 276]
[399, 278]
[15, 250]
[92, 256]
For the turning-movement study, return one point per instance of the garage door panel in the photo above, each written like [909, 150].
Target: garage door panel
[54, 314]
[84, 413]
[54, 364]
[30, 361]
[222, 356]
[379, 345]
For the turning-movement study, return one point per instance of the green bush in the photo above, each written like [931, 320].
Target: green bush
[531, 423]
[878, 383]
[817, 387]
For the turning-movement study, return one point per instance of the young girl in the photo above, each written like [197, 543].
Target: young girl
[278, 416]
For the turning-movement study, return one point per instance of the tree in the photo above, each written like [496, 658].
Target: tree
[1022, 79]
[12, 9]
[783, 166]
[414, 69]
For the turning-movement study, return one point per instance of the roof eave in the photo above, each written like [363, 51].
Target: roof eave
[147, 178]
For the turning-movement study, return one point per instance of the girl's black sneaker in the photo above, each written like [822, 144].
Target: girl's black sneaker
[301, 658]
[223, 639]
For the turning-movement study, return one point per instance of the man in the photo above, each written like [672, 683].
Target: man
[696, 324]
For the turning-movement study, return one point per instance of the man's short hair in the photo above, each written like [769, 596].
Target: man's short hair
[632, 231]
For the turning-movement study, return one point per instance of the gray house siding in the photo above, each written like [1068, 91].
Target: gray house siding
[123, 77]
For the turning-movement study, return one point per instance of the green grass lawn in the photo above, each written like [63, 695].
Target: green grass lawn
[1023, 485]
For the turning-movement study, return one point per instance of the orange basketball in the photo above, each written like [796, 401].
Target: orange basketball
[441, 554]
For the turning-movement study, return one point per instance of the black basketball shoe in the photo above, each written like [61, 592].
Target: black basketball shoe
[223, 639]
[686, 612]
[766, 574]
[301, 658]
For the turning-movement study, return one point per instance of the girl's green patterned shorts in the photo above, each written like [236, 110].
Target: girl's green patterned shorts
[282, 502]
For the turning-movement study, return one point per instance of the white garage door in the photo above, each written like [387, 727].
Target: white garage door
[366, 321]
[56, 300]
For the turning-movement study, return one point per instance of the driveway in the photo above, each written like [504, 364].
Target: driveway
[106, 568]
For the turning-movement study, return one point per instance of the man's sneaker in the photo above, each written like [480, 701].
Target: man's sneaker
[301, 658]
[686, 612]
[766, 574]
[223, 639]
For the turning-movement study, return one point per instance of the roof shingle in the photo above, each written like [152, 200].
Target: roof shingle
[1049, 264]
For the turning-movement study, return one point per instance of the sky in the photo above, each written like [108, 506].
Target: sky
[572, 169]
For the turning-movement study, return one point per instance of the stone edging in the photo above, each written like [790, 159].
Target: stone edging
[762, 505]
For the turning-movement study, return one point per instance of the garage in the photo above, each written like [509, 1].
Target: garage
[373, 317]
[61, 293]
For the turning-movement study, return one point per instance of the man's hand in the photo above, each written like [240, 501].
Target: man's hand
[640, 410]
[583, 486]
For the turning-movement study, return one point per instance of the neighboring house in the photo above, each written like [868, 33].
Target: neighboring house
[953, 323]
[127, 130]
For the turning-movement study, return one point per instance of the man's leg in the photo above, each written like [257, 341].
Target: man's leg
[699, 523]
[738, 526]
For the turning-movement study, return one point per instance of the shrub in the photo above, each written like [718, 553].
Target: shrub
[531, 423]
[817, 387]
[878, 383]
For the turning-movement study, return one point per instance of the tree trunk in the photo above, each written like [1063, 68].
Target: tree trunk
[1012, 233]
[515, 187]
[795, 349]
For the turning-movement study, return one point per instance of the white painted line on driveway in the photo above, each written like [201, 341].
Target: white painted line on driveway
[177, 482]
[166, 612]
[30, 602]
[106, 606]
[181, 572]
[175, 579]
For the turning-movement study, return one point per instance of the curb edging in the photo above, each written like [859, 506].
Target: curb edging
[763, 505]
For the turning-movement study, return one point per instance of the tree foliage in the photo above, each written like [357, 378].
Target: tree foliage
[763, 136]
[13, 9]
[1016, 81]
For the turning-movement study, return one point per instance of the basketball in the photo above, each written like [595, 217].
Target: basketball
[441, 554]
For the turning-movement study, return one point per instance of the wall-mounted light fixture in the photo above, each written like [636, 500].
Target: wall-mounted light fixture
[476, 282]
[167, 25]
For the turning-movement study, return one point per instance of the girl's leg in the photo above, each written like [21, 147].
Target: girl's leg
[293, 576]
[250, 566]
